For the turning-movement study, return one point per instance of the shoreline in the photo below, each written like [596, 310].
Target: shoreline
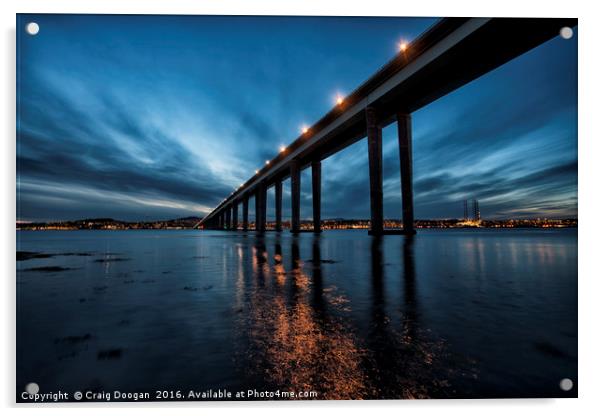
[303, 230]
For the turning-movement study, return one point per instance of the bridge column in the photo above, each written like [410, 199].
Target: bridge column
[278, 192]
[228, 218]
[316, 188]
[375, 159]
[295, 196]
[220, 222]
[245, 212]
[404, 131]
[262, 214]
[259, 208]
[235, 215]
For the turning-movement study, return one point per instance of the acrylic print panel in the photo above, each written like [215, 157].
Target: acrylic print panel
[295, 208]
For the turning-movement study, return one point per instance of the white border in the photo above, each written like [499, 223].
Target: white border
[590, 135]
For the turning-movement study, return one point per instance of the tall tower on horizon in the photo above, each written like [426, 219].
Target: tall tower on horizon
[476, 213]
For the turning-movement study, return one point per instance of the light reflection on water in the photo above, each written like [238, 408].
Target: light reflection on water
[294, 341]
[471, 313]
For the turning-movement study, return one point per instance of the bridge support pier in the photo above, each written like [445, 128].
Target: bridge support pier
[278, 192]
[220, 222]
[260, 208]
[375, 161]
[228, 218]
[257, 209]
[245, 212]
[235, 215]
[295, 196]
[316, 188]
[404, 131]
[264, 206]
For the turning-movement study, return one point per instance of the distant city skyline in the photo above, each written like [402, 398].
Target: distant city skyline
[326, 224]
[157, 117]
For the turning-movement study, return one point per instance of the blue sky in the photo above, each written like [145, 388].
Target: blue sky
[154, 117]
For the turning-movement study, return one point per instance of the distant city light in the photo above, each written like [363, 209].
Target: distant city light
[256, 172]
[267, 162]
[304, 129]
[403, 46]
[340, 99]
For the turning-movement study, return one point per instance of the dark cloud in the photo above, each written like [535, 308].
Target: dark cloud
[433, 183]
[65, 146]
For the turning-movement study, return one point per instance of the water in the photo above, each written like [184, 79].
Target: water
[448, 313]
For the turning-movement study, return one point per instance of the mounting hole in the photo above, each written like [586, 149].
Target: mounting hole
[32, 388]
[32, 28]
[566, 32]
[566, 384]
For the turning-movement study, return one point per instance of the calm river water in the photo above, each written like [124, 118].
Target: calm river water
[447, 313]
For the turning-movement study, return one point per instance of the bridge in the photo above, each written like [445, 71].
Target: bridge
[452, 53]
